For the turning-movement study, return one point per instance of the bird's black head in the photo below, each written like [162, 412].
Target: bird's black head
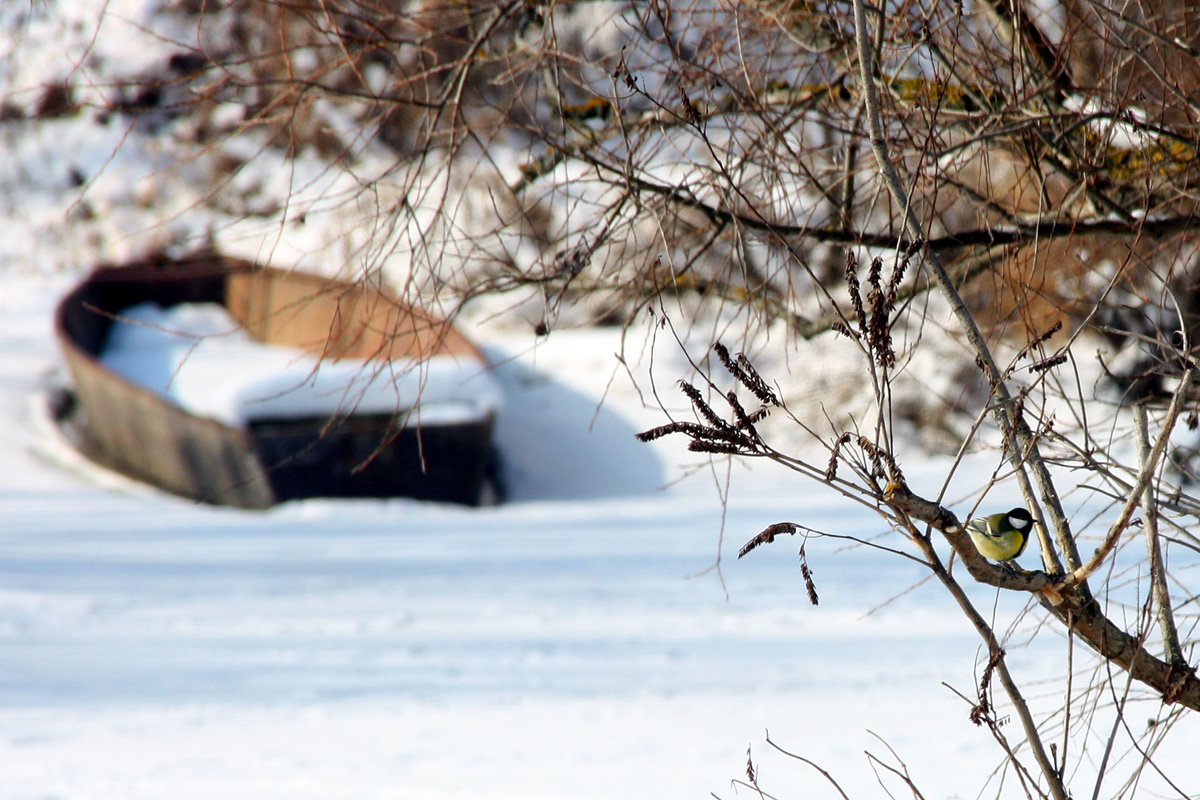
[1020, 518]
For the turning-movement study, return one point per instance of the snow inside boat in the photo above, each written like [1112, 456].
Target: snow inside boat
[234, 384]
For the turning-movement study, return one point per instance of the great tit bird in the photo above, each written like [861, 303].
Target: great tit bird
[1001, 537]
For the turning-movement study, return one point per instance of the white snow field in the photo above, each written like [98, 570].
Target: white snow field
[566, 645]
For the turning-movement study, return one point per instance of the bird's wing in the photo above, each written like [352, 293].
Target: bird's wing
[980, 525]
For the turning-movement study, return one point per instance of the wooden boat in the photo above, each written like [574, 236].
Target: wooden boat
[414, 449]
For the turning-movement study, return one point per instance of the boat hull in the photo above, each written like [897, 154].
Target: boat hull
[266, 461]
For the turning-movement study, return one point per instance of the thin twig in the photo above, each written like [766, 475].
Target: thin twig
[812, 764]
[1158, 574]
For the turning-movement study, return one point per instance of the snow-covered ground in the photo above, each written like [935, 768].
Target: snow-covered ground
[567, 648]
[573, 646]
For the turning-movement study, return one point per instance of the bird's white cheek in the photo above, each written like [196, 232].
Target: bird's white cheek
[1019, 524]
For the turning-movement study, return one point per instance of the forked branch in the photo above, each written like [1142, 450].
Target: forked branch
[1022, 446]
